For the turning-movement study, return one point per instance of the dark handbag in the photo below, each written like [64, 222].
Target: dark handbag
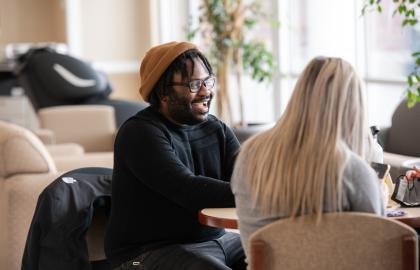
[407, 192]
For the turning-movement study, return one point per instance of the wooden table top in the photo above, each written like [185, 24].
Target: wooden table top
[227, 217]
[412, 218]
[219, 217]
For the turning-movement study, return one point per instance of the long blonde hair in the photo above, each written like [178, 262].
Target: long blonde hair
[293, 167]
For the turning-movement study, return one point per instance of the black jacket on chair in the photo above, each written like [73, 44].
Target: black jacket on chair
[56, 238]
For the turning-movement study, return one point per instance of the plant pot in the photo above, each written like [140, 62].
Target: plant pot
[243, 133]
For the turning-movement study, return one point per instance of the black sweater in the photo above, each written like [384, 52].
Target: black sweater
[163, 175]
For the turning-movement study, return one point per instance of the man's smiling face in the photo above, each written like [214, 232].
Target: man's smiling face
[183, 107]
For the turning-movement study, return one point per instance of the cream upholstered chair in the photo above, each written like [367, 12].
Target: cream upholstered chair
[26, 168]
[401, 141]
[339, 241]
[91, 126]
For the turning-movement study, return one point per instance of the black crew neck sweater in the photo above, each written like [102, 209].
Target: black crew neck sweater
[163, 175]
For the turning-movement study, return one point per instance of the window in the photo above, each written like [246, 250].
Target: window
[376, 44]
[258, 97]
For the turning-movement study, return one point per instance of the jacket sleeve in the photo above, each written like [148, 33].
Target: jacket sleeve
[41, 225]
[150, 157]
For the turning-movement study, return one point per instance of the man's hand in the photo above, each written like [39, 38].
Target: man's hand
[412, 174]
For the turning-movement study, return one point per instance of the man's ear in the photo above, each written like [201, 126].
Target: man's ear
[163, 101]
[163, 98]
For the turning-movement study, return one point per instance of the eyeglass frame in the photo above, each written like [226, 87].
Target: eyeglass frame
[202, 82]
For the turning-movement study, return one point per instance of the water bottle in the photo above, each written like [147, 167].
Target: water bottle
[378, 156]
[377, 153]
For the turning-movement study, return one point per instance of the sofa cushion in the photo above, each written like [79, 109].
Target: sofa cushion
[91, 126]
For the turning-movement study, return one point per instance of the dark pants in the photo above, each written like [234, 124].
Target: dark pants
[223, 253]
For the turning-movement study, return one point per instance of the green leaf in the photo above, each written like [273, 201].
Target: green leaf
[412, 13]
[410, 94]
[415, 54]
[249, 22]
[409, 21]
[410, 80]
[400, 9]
[411, 103]
[408, 14]
[191, 34]
[379, 8]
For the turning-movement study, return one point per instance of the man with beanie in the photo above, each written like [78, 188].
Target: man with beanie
[171, 160]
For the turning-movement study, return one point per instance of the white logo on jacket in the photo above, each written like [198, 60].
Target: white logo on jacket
[69, 180]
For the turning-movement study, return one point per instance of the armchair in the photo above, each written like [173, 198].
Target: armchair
[401, 141]
[26, 168]
[91, 126]
[338, 241]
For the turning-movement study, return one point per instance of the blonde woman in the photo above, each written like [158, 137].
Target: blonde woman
[315, 159]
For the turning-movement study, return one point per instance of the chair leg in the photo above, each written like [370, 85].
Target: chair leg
[410, 256]
[257, 259]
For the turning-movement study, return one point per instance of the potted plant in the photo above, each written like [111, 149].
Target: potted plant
[409, 9]
[224, 29]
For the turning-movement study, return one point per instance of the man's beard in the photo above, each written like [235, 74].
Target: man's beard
[180, 109]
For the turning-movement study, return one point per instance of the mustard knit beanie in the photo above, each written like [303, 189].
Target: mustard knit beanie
[156, 61]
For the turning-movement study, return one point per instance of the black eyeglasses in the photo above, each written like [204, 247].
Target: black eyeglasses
[195, 85]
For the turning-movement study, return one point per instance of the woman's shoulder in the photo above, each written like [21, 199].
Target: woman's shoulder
[362, 191]
[358, 168]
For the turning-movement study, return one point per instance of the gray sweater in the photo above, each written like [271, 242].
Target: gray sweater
[361, 193]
